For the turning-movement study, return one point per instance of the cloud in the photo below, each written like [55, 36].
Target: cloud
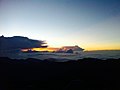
[19, 42]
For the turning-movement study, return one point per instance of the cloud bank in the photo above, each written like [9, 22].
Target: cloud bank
[19, 42]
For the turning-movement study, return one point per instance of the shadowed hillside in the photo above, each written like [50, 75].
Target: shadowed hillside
[33, 74]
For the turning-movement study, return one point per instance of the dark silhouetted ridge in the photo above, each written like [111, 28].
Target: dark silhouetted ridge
[84, 74]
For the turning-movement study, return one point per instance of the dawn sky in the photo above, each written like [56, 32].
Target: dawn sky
[91, 24]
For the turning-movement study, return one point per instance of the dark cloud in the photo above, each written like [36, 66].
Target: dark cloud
[19, 42]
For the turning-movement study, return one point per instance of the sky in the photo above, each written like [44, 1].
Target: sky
[91, 24]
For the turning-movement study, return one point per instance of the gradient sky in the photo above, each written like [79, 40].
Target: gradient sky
[91, 24]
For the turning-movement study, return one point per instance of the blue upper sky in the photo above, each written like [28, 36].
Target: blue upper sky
[92, 24]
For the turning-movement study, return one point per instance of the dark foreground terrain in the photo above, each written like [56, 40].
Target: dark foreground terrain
[84, 74]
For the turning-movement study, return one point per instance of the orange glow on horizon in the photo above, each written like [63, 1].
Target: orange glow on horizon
[45, 49]
[87, 47]
[41, 49]
[101, 48]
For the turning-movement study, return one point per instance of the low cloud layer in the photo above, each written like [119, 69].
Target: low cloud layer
[19, 42]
